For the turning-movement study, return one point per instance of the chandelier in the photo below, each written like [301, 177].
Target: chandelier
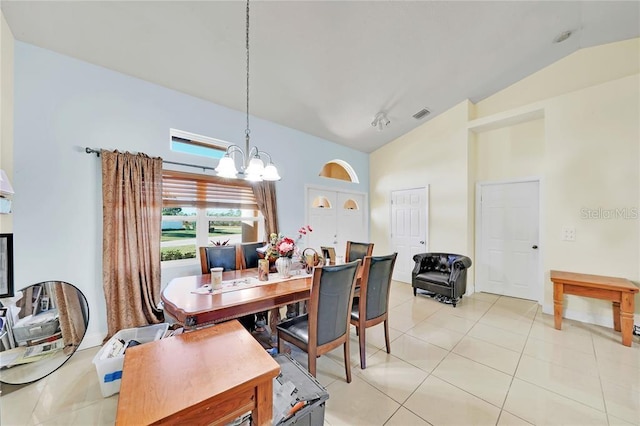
[253, 168]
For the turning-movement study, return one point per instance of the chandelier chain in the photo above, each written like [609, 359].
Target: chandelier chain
[247, 131]
[253, 168]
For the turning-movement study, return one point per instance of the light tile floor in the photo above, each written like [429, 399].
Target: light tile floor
[491, 360]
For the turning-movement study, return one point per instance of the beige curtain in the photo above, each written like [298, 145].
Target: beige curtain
[70, 314]
[25, 302]
[265, 193]
[132, 215]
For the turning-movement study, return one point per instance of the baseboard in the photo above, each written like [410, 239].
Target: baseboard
[602, 320]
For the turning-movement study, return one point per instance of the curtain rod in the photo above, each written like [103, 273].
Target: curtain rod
[97, 152]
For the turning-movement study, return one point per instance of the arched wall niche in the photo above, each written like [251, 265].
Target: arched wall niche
[350, 205]
[321, 202]
[339, 169]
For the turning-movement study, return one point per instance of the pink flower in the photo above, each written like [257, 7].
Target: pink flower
[304, 230]
[284, 246]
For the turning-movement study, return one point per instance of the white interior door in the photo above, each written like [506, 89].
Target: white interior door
[507, 258]
[336, 217]
[351, 224]
[408, 229]
[321, 214]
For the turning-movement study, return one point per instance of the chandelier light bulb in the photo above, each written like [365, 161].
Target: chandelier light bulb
[227, 167]
[271, 173]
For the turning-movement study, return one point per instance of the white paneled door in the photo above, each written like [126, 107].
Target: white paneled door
[336, 217]
[507, 258]
[409, 209]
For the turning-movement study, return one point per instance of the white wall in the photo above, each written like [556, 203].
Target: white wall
[591, 162]
[434, 154]
[584, 68]
[63, 105]
[586, 148]
[6, 112]
[510, 152]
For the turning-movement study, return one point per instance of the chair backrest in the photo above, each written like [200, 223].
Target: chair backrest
[218, 256]
[329, 253]
[249, 255]
[330, 302]
[358, 251]
[376, 283]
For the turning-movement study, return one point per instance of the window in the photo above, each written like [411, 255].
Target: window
[190, 143]
[200, 210]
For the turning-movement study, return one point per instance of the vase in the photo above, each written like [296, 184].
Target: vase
[283, 265]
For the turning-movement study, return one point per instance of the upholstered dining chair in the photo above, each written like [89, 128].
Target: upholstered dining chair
[225, 257]
[372, 306]
[249, 259]
[357, 251]
[325, 326]
[249, 255]
[329, 253]
[218, 256]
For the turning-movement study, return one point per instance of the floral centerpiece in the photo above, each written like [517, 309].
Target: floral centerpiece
[281, 247]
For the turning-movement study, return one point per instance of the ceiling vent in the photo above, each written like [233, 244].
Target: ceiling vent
[421, 114]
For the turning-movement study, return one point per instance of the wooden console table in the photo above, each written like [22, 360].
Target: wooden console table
[207, 376]
[619, 291]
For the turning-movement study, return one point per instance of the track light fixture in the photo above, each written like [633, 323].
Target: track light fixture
[380, 121]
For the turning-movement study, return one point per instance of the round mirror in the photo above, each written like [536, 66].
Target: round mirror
[40, 328]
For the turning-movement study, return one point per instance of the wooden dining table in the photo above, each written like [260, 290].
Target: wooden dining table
[195, 310]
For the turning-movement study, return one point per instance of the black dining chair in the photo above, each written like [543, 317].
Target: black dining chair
[248, 260]
[225, 257]
[325, 326]
[249, 255]
[218, 256]
[372, 306]
[357, 251]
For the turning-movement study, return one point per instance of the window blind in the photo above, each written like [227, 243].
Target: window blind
[195, 190]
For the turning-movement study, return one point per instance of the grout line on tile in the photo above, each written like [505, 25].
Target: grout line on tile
[547, 389]
[595, 354]
[513, 376]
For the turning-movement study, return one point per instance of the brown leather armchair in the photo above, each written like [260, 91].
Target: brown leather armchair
[444, 274]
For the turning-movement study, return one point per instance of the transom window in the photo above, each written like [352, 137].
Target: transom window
[190, 143]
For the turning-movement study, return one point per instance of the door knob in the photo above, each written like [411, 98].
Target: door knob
[421, 242]
[534, 247]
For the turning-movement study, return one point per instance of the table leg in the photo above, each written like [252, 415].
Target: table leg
[616, 316]
[274, 319]
[627, 307]
[263, 413]
[558, 294]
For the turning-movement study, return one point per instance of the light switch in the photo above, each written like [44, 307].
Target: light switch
[568, 233]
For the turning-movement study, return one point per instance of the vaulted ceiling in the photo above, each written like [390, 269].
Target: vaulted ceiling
[326, 67]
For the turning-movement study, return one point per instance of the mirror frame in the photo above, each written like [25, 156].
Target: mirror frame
[6, 265]
[85, 314]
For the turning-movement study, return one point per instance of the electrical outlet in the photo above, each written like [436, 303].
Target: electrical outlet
[568, 233]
